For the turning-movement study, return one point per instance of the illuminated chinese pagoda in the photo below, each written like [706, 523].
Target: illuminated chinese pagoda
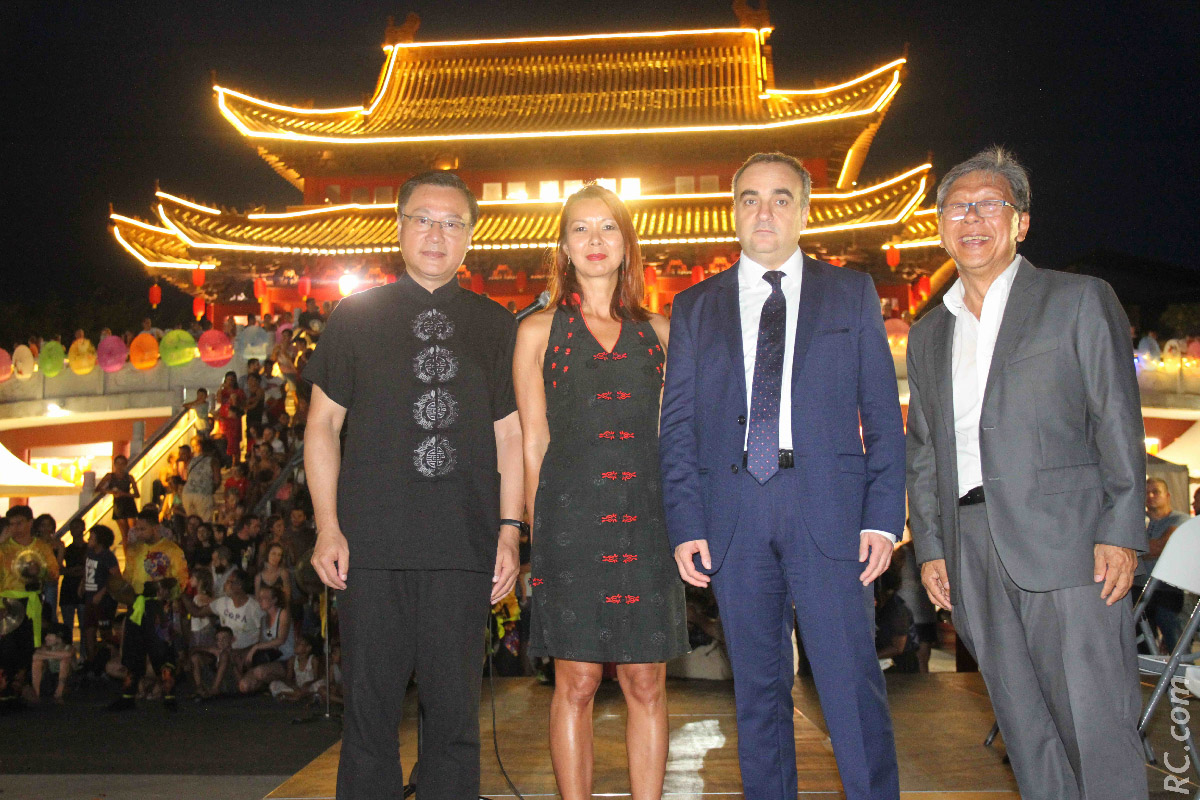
[664, 118]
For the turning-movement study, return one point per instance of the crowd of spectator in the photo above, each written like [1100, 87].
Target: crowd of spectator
[240, 613]
[1149, 346]
[248, 616]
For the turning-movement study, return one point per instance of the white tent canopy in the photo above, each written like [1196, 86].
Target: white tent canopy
[18, 479]
[1185, 450]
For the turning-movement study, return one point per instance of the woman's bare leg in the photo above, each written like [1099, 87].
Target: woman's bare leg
[646, 735]
[575, 685]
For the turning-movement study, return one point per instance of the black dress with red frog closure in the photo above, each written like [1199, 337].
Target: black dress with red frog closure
[606, 587]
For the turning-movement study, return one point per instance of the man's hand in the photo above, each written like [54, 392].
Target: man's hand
[1115, 566]
[687, 570]
[508, 564]
[937, 582]
[876, 550]
[331, 558]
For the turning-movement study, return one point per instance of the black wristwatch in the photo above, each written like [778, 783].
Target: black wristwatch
[523, 527]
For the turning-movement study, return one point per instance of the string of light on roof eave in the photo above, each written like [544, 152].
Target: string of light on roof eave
[396, 112]
[204, 233]
[920, 230]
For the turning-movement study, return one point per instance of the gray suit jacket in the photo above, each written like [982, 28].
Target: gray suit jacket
[1061, 436]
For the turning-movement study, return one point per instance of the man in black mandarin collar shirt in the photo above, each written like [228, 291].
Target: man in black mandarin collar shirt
[419, 372]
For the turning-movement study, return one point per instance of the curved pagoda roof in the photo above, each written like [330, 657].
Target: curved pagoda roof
[154, 246]
[715, 80]
[190, 234]
[919, 230]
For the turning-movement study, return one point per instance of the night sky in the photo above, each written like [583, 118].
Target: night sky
[1098, 99]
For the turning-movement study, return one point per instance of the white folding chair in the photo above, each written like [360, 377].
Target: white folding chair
[1178, 566]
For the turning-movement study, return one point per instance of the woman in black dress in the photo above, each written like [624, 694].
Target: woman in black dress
[124, 490]
[588, 374]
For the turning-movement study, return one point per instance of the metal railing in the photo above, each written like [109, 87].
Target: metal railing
[290, 470]
[1172, 380]
[1172, 373]
[141, 467]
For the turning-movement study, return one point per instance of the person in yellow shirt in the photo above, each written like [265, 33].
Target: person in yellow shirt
[149, 557]
[26, 563]
[157, 570]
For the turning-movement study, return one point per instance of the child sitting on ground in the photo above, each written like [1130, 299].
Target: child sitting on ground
[305, 672]
[213, 668]
[59, 654]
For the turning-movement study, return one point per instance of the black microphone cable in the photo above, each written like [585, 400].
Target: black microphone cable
[410, 788]
[492, 691]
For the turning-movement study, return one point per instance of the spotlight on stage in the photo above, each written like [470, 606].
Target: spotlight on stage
[347, 284]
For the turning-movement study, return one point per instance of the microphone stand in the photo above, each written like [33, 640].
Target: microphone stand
[328, 715]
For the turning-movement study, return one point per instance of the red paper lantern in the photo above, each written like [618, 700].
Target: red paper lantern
[198, 306]
[389, 279]
[697, 274]
[477, 282]
[155, 295]
[924, 287]
[215, 348]
[522, 282]
[650, 275]
[197, 277]
[893, 257]
[260, 289]
[305, 286]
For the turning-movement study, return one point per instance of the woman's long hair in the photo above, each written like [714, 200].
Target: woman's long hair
[631, 283]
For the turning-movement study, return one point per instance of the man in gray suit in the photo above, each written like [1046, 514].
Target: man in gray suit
[1026, 474]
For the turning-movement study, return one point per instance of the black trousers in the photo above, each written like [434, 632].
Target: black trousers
[16, 654]
[142, 640]
[395, 623]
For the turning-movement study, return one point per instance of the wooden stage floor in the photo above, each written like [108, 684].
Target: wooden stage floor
[940, 719]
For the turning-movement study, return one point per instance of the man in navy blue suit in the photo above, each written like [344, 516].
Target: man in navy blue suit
[773, 491]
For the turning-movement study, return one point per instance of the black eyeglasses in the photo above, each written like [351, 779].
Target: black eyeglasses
[986, 209]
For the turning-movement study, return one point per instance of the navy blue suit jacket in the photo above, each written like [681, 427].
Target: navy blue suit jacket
[842, 376]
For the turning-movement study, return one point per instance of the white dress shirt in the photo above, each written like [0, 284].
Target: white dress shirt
[974, 343]
[753, 291]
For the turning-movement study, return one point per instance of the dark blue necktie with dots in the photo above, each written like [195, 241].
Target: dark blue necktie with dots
[762, 446]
